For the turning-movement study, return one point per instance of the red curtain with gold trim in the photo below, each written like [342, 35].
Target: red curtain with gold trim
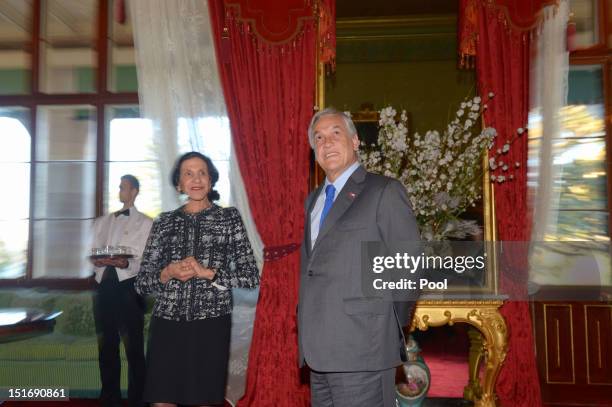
[502, 63]
[266, 54]
[520, 15]
[273, 21]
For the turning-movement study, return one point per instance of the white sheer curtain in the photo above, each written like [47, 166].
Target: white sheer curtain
[548, 94]
[180, 92]
[548, 90]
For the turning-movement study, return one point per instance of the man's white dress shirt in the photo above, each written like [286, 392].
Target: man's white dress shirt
[315, 215]
[131, 231]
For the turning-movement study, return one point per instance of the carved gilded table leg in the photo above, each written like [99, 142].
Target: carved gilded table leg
[483, 315]
[473, 390]
[493, 328]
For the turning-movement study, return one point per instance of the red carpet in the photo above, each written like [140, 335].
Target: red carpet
[445, 350]
[449, 375]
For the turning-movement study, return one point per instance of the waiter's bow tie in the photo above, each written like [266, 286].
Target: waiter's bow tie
[124, 212]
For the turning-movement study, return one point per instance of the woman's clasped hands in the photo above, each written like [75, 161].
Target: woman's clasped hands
[186, 269]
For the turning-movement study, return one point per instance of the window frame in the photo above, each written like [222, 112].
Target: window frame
[604, 59]
[100, 100]
[601, 54]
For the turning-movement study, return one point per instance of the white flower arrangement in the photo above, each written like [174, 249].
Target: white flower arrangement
[442, 173]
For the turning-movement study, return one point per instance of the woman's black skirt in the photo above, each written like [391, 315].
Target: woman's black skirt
[187, 361]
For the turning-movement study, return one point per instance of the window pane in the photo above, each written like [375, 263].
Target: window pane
[130, 137]
[585, 85]
[579, 225]
[148, 200]
[15, 164]
[587, 194]
[13, 248]
[131, 150]
[580, 158]
[571, 264]
[68, 39]
[579, 198]
[122, 63]
[15, 181]
[582, 120]
[65, 190]
[573, 157]
[15, 33]
[66, 133]
[585, 14]
[15, 137]
[60, 249]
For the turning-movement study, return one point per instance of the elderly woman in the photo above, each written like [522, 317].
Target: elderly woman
[194, 256]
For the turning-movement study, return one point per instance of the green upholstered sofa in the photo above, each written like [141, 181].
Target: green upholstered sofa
[68, 357]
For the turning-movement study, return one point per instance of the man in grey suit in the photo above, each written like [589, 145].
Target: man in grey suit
[351, 342]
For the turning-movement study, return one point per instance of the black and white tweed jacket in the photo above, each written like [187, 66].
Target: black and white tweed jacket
[217, 238]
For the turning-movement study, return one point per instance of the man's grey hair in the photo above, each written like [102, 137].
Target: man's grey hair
[330, 111]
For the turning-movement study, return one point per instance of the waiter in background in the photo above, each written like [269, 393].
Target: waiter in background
[118, 309]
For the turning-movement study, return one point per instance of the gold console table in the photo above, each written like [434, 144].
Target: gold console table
[491, 342]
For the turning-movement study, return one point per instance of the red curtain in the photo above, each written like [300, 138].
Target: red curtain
[269, 92]
[274, 21]
[502, 63]
[522, 14]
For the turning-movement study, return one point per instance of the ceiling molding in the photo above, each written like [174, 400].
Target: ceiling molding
[394, 22]
[394, 36]
[397, 38]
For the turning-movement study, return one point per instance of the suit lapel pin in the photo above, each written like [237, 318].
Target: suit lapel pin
[352, 195]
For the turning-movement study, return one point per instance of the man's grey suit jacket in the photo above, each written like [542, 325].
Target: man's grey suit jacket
[339, 329]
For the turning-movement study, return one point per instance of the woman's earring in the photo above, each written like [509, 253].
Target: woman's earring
[178, 189]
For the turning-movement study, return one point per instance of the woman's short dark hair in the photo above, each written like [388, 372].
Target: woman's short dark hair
[213, 195]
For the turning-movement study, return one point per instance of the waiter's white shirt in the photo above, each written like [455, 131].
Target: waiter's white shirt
[131, 231]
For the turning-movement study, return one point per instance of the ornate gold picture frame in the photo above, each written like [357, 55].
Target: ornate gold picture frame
[366, 120]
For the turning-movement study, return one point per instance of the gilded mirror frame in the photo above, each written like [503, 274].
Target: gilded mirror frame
[491, 285]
